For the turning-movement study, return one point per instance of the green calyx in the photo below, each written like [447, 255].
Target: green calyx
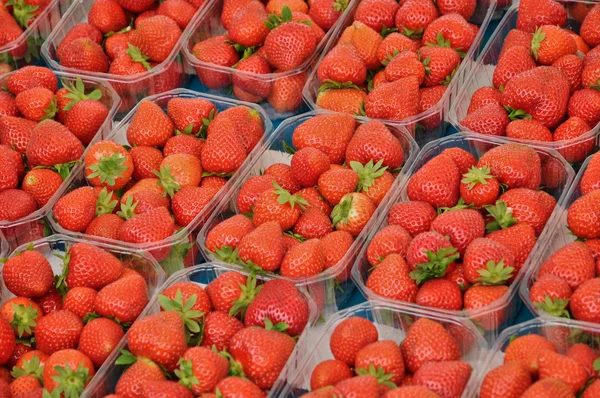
[477, 175]
[185, 374]
[31, 367]
[333, 85]
[137, 56]
[367, 174]
[503, 216]
[63, 169]
[105, 204]
[185, 309]
[536, 42]
[436, 266]
[341, 211]
[23, 12]
[71, 382]
[128, 208]
[385, 31]
[391, 56]
[425, 63]
[276, 20]
[379, 374]
[555, 307]
[167, 181]
[51, 110]
[448, 79]
[126, 358]
[249, 292]
[278, 327]
[227, 254]
[24, 318]
[108, 168]
[60, 281]
[517, 114]
[284, 196]
[495, 273]
[461, 205]
[76, 93]
[340, 5]
[54, 394]
[412, 33]
[440, 41]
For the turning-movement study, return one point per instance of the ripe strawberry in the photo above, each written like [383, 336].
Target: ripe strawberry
[16, 204]
[551, 294]
[123, 299]
[226, 236]
[582, 308]
[277, 205]
[230, 387]
[223, 152]
[451, 30]
[350, 336]
[85, 119]
[152, 226]
[574, 127]
[414, 216]
[99, 338]
[464, 160]
[251, 190]
[307, 165]
[52, 144]
[430, 97]
[335, 246]
[366, 42]
[391, 239]
[181, 11]
[91, 266]
[484, 96]
[117, 44]
[464, 8]
[276, 6]
[572, 66]
[247, 122]
[130, 62]
[550, 43]
[15, 132]
[80, 301]
[589, 29]
[108, 16]
[304, 259]
[37, 104]
[514, 165]
[581, 214]
[313, 224]
[528, 129]
[585, 355]
[488, 261]
[376, 14]
[156, 37]
[395, 100]
[392, 45]
[80, 30]
[165, 389]
[254, 64]
[314, 199]
[28, 274]
[108, 164]
[232, 289]
[247, 25]
[329, 373]
[286, 92]
[263, 247]
[436, 183]
[584, 104]
[561, 367]
[184, 143]
[447, 379]
[440, 65]
[146, 160]
[508, 380]
[290, 44]
[385, 355]
[344, 100]
[215, 50]
[21, 313]
[68, 370]
[140, 133]
[353, 213]
[403, 65]
[490, 119]
[31, 76]
[414, 17]
[581, 264]
[479, 187]
[480, 296]
[440, 293]
[76, 210]
[134, 378]
[342, 64]
[519, 239]
[428, 341]
[512, 62]
[391, 280]
[200, 369]
[42, 184]
[58, 330]
[84, 54]
[218, 329]
[329, 133]
[535, 13]
[461, 226]
[430, 254]
[325, 13]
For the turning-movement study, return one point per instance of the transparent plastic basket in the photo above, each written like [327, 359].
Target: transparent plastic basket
[107, 376]
[33, 226]
[25, 50]
[392, 322]
[127, 85]
[209, 25]
[481, 17]
[481, 72]
[560, 236]
[564, 333]
[119, 134]
[325, 284]
[509, 304]
[4, 248]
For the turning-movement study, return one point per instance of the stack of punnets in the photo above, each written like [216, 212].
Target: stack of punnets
[299, 198]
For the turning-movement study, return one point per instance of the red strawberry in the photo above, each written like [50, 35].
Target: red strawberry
[16, 204]
[479, 187]
[519, 239]
[313, 224]
[350, 336]
[76, 210]
[308, 164]
[512, 62]
[561, 367]
[462, 226]
[490, 119]
[415, 16]
[218, 329]
[314, 199]
[391, 280]
[440, 293]
[200, 369]
[142, 133]
[254, 64]
[31, 76]
[342, 64]
[326, 12]
[353, 213]
[440, 65]
[263, 247]
[451, 30]
[365, 40]
[488, 261]
[484, 96]
[405, 64]
[572, 66]
[123, 299]
[551, 294]
[289, 45]
[215, 50]
[277, 205]
[582, 302]
[464, 8]
[84, 54]
[223, 152]
[145, 160]
[344, 100]
[436, 183]
[391, 239]
[581, 216]
[156, 37]
[535, 13]
[91, 266]
[86, 118]
[589, 29]
[247, 25]
[227, 235]
[165, 389]
[528, 129]
[514, 165]
[276, 6]
[583, 103]
[134, 378]
[286, 92]
[152, 226]
[414, 216]
[247, 122]
[430, 254]
[230, 387]
[329, 373]
[58, 330]
[526, 205]
[130, 62]
[392, 45]
[330, 133]
[508, 380]
[581, 264]
[80, 301]
[80, 30]
[69, 371]
[137, 6]
[550, 43]
[585, 355]
[376, 14]
[37, 104]
[430, 97]
[15, 132]
[548, 388]
[181, 11]
[107, 15]
[447, 379]
[52, 144]
[395, 100]
[573, 128]
[480, 296]
[28, 274]
[428, 342]
[99, 338]
[335, 246]
[464, 160]
[304, 259]
[42, 184]
[117, 44]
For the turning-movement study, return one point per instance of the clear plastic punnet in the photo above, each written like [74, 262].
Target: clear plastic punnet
[169, 74]
[209, 25]
[180, 242]
[481, 17]
[25, 50]
[33, 226]
[331, 283]
[508, 306]
[564, 333]
[393, 322]
[106, 377]
[480, 74]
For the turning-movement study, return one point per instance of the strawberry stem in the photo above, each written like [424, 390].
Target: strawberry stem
[30, 367]
[108, 168]
[367, 174]
[128, 208]
[379, 374]
[167, 181]
[105, 204]
[436, 266]
[495, 273]
[477, 175]
[555, 307]
[249, 292]
[71, 382]
[502, 216]
[24, 318]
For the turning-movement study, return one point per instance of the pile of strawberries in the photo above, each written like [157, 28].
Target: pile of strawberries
[465, 233]
[396, 61]
[533, 368]
[177, 163]
[261, 39]
[58, 331]
[231, 338]
[43, 130]
[427, 363]
[568, 283]
[546, 82]
[301, 219]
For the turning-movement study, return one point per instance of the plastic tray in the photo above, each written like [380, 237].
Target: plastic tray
[563, 333]
[392, 322]
[559, 237]
[209, 25]
[33, 37]
[78, 13]
[106, 377]
[119, 134]
[273, 152]
[482, 16]
[31, 227]
[476, 145]
[481, 74]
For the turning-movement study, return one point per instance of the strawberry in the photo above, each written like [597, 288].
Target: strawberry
[251, 190]
[277, 205]
[525, 205]
[365, 40]
[117, 44]
[276, 6]
[329, 133]
[447, 379]
[535, 13]
[156, 37]
[526, 94]
[440, 293]
[232, 289]
[286, 92]
[414, 216]
[68, 371]
[513, 61]
[314, 199]
[519, 239]
[290, 44]
[342, 64]
[200, 369]
[308, 164]
[188, 203]
[480, 296]
[227, 235]
[366, 386]
[184, 143]
[230, 387]
[528, 129]
[403, 65]
[166, 389]
[157, 133]
[508, 380]
[561, 367]
[391, 280]
[488, 261]
[263, 247]
[350, 336]
[572, 66]
[392, 45]
[430, 97]
[479, 187]
[414, 17]
[344, 100]
[134, 378]
[451, 30]
[313, 224]
[146, 160]
[84, 54]
[42, 184]
[136, 6]
[590, 391]
[305, 259]
[89, 266]
[123, 299]
[584, 104]
[247, 26]
[80, 30]
[461, 226]
[247, 122]
[250, 346]
[391, 239]
[484, 96]
[76, 210]
[29, 77]
[436, 183]
[589, 29]
[80, 301]
[107, 15]
[549, 388]
[37, 104]
[108, 164]
[585, 355]
[279, 302]
[428, 341]
[591, 177]
[550, 43]
[181, 11]
[99, 338]
[28, 274]
[335, 246]
[15, 132]
[52, 144]
[353, 213]
[130, 62]
[376, 14]
[179, 170]
[215, 50]
[581, 216]
[86, 118]
[514, 165]
[430, 254]
[58, 330]
[581, 264]
[384, 355]
[24, 384]
[325, 13]
[254, 64]
[152, 226]
[551, 294]
[329, 373]
[464, 8]
[440, 65]
[490, 119]
[16, 204]
[573, 128]
[464, 160]
[223, 152]
[395, 100]
[582, 308]
[21, 313]
[218, 329]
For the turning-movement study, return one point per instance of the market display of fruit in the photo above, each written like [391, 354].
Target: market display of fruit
[197, 197]
[68, 304]
[139, 195]
[536, 82]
